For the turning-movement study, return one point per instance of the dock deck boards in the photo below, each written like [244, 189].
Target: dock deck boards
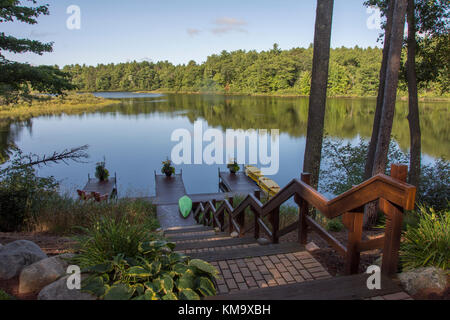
[103, 188]
[237, 183]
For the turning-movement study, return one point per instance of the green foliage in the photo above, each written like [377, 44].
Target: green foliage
[353, 71]
[4, 296]
[434, 189]
[109, 237]
[101, 172]
[428, 243]
[233, 167]
[154, 272]
[16, 79]
[22, 193]
[343, 167]
[335, 225]
[167, 168]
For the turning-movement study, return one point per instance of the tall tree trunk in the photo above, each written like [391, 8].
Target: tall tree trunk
[390, 95]
[413, 117]
[381, 87]
[319, 83]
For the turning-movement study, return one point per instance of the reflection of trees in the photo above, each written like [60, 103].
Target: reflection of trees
[9, 132]
[346, 118]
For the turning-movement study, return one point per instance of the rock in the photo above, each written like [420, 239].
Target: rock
[36, 276]
[17, 255]
[423, 279]
[234, 234]
[263, 241]
[58, 291]
[311, 247]
[217, 230]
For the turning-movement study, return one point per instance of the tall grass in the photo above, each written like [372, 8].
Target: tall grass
[46, 105]
[427, 243]
[63, 215]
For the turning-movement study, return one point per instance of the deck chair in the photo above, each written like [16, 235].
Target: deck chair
[100, 198]
[83, 195]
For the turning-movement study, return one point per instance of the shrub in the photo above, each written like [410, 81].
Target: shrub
[434, 188]
[145, 270]
[4, 296]
[428, 243]
[109, 237]
[335, 225]
[101, 173]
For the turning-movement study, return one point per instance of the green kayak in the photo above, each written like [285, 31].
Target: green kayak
[185, 205]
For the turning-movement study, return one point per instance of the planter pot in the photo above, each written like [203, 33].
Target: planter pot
[168, 175]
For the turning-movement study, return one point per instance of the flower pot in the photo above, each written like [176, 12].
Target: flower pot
[168, 174]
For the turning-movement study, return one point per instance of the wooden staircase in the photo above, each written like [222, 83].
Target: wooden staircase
[287, 270]
[250, 271]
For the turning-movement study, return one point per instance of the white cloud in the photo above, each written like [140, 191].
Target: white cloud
[227, 25]
[193, 32]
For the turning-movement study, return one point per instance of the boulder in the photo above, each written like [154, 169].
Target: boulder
[36, 276]
[58, 291]
[234, 234]
[424, 279]
[17, 255]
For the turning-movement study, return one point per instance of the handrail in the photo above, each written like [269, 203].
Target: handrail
[394, 196]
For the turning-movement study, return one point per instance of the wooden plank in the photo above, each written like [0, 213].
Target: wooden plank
[214, 243]
[193, 234]
[198, 237]
[339, 288]
[372, 244]
[179, 230]
[261, 251]
[238, 183]
[169, 190]
[103, 188]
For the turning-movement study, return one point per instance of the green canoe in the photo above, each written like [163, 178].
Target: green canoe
[185, 205]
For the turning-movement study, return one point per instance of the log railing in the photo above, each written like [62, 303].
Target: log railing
[392, 192]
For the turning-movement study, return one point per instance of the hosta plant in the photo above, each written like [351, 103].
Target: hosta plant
[156, 273]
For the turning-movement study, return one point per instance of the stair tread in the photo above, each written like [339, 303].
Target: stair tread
[225, 242]
[241, 253]
[179, 230]
[197, 237]
[338, 288]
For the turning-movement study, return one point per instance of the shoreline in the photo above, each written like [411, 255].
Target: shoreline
[275, 95]
[71, 104]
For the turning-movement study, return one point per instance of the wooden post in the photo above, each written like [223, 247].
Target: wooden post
[394, 220]
[303, 213]
[354, 222]
[230, 218]
[256, 216]
[275, 217]
[212, 213]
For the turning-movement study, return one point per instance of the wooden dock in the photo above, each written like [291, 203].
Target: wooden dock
[102, 187]
[238, 183]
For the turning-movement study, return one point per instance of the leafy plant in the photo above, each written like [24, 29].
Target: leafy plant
[101, 172]
[4, 296]
[335, 225]
[154, 273]
[234, 167]
[167, 168]
[428, 243]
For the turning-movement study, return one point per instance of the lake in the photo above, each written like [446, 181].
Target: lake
[135, 135]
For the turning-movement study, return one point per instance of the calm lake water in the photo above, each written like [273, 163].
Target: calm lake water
[135, 135]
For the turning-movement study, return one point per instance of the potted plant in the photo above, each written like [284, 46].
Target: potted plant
[101, 173]
[167, 168]
[234, 167]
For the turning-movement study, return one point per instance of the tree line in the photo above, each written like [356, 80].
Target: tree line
[353, 72]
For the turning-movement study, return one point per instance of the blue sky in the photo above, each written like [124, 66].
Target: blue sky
[183, 30]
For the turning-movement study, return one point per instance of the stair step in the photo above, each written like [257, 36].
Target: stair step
[179, 230]
[339, 288]
[197, 237]
[214, 243]
[242, 253]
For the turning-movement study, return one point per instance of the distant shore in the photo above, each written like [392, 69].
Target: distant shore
[72, 103]
[280, 95]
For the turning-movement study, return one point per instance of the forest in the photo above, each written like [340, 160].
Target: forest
[353, 72]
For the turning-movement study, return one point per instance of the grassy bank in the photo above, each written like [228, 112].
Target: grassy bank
[70, 104]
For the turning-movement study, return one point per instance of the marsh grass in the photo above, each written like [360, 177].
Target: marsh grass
[72, 103]
[62, 215]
